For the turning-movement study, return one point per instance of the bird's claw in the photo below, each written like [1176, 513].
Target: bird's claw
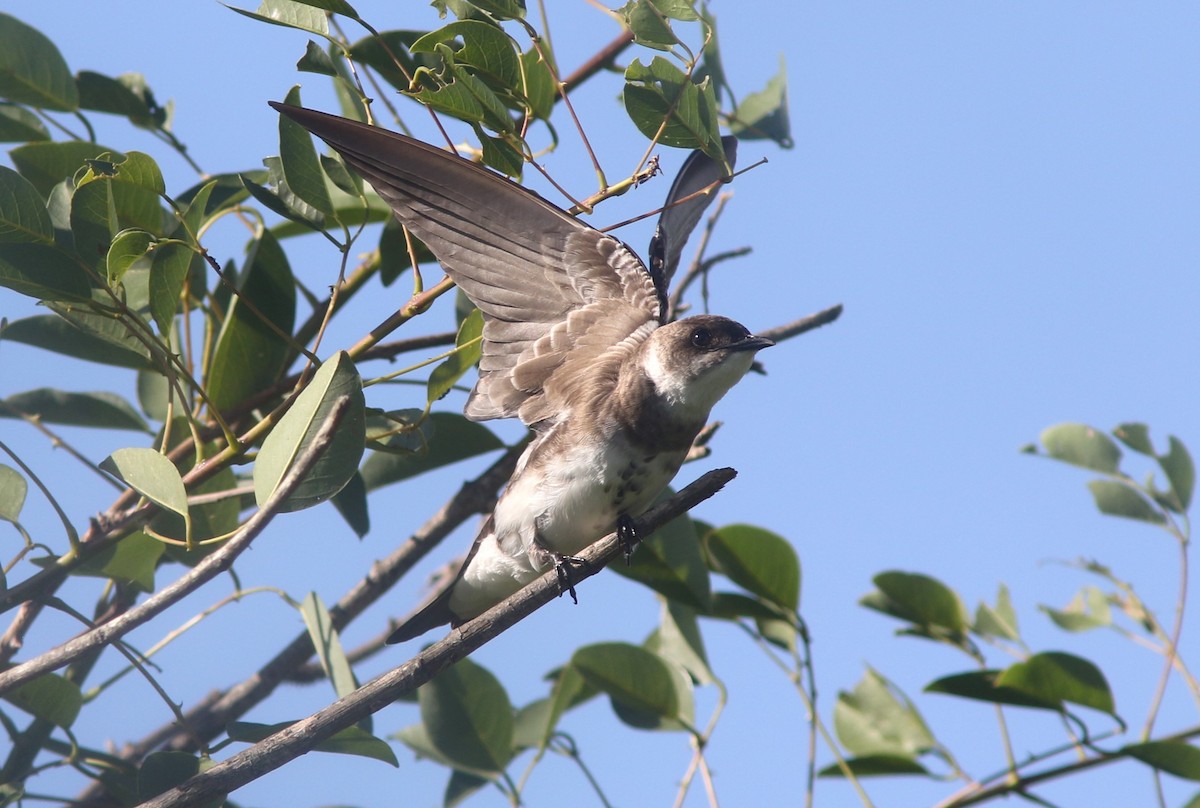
[562, 566]
[627, 535]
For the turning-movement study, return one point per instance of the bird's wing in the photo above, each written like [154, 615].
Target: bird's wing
[556, 294]
[677, 221]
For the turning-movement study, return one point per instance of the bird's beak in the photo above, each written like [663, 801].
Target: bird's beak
[752, 343]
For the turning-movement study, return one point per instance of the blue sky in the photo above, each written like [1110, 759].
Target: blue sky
[1003, 195]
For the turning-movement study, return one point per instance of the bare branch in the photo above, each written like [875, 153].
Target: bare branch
[206, 570]
[301, 737]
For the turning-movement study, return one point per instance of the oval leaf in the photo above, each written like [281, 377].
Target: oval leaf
[669, 562]
[762, 562]
[1081, 445]
[337, 377]
[1055, 676]
[32, 71]
[49, 697]
[23, 215]
[919, 599]
[151, 475]
[1173, 757]
[468, 717]
[96, 410]
[630, 675]
[13, 489]
[1120, 499]
[877, 719]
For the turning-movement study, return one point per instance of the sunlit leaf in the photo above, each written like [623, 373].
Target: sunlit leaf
[151, 475]
[630, 675]
[13, 489]
[131, 560]
[982, 686]
[764, 114]
[469, 348]
[917, 598]
[762, 562]
[298, 157]
[1081, 445]
[877, 719]
[337, 377]
[328, 645]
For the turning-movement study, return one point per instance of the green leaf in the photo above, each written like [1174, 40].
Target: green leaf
[1000, 620]
[758, 560]
[117, 192]
[1180, 470]
[570, 690]
[328, 645]
[289, 14]
[378, 52]
[337, 377]
[501, 9]
[151, 475]
[127, 248]
[733, 605]
[97, 410]
[538, 85]
[125, 95]
[249, 354]
[468, 347]
[491, 53]
[131, 560]
[13, 489]
[876, 719]
[631, 676]
[172, 262]
[447, 438]
[1056, 677]
[669, 562]
[1089, 609]
[1136, 436]
[1172, 757]
[49, 697]
[49, 163]
[982, 686]
[468, 717]
[44, 272]
[18, 125]
[162, 771]
[679, 640]
[1081, 445]
[764, 114]
[875, 766]
[351, 504]
[1121, 499]
[23, 215]
[298, 157]
[650, 27]
[70, 338]
[663, 102]
[919, 599]
[349, 741]
[32, 70]
[463, 95]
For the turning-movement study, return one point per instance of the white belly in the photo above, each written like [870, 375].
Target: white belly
[566, 505]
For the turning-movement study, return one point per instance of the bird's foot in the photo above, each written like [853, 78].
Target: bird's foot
[627, 535]
[562, 566]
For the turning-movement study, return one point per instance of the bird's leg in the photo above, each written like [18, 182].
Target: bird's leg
[627, 535]
[562, 566]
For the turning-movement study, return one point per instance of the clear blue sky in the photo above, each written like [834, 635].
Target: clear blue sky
[1004, 196]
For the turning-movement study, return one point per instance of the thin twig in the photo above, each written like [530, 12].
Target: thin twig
[206, 570]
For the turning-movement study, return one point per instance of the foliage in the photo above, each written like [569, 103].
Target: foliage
[237, 395]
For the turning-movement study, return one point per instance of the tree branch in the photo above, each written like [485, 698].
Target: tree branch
[797, 327]
[302, 736]
[203, 572]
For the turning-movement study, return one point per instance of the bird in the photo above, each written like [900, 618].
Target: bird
[576, 344]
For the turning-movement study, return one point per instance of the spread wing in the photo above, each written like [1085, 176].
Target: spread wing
[556, 294]
[678, 221]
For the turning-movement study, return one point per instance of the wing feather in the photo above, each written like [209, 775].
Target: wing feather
[555, 293]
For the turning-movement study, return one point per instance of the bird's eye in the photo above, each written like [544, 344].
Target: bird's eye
[701, 338]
